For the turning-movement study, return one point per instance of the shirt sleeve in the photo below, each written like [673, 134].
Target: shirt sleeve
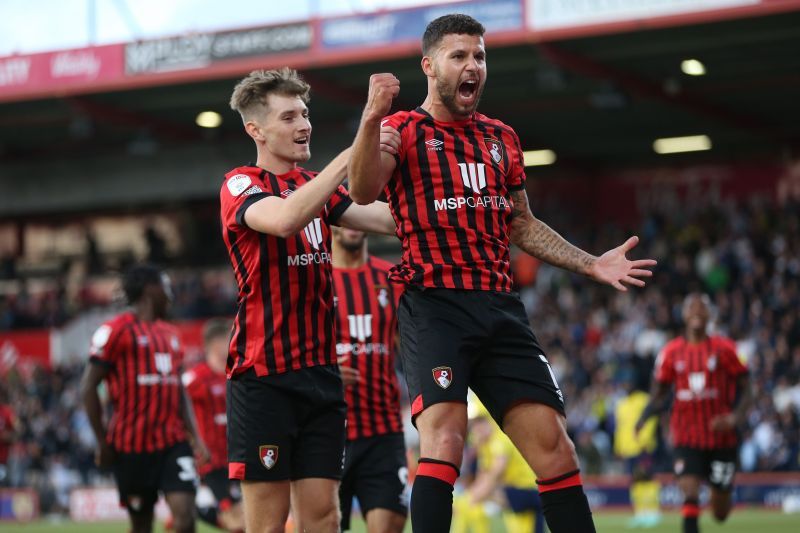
[665, 370]
[338, 204]
[516, 164]
[731, 361]
[238, 192]
[396, 121]
[105, 345]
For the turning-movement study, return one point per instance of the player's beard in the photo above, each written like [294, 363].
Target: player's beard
[354, 245]
[448, 93]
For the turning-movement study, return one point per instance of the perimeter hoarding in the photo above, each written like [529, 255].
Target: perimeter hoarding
[394, 27]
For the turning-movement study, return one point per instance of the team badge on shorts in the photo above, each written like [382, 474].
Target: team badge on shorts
[680, 465]
[495, 149]
[269, 455]
[443, 376]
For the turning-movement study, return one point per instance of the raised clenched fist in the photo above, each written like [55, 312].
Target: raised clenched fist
[383, 88]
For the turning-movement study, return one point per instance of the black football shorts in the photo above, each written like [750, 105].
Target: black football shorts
[717, 466]
[140, 476]
[376, 473]
[286, 426]
[451, 340]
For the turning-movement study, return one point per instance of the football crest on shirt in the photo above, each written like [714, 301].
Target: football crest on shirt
[712, 362]
[495, 149]
[238, 184]
[163, 362]
[269, 455]
[443, 376]
[383, 296]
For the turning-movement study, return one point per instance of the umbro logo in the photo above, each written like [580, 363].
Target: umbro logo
[434, 144]
[287, 192]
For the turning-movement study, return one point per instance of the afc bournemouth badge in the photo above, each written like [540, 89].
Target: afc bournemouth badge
[269, 455]
[443, 376]
[495, 149]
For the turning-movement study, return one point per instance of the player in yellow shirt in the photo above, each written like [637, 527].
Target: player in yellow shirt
[503, 476]
[636, 449]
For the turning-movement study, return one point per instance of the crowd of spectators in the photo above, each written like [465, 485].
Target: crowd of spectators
[745, 256]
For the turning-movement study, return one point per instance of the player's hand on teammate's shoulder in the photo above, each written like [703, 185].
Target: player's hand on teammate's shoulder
[390, 140]
[383, 88]
[615, 269]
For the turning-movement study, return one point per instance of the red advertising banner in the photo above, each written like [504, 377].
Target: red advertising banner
[52, 72]
[26, 346]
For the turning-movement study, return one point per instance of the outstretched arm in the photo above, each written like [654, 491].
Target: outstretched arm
[370, 168]
[540, 240]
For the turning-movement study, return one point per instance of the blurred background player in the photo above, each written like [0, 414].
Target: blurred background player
[636, 449]
[375, 469]
[711, 398]
[147, 441]
[285, 401]
[502, 477]
[205, 384]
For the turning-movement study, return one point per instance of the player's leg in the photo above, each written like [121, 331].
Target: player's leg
[319, 450]
[261, 419]
[315, 504]
[691, 467]
[722, 472]
[227, 512]
[178, 480]
[381, 481]
[540, 434]
[515, 383]
[690, 510]
[141, 520]
[721, 504]
[439, 330]
[266, 505]
[181, 505]
[385, 521]
[136, 475]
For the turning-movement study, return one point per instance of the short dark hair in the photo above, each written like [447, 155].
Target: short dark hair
[138, 277]
[445, 25]
[216, 327]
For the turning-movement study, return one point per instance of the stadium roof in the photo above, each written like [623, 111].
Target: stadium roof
[596, 100]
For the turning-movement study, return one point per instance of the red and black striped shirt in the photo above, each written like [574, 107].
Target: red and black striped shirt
[704, 377]
[144, 359]
[284, 319]
[206, 389]
[366, 324]
[449, 195]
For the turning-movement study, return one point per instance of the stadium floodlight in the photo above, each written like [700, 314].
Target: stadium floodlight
[208, 119]
[693, 67]
[674, 145]
[535, 158]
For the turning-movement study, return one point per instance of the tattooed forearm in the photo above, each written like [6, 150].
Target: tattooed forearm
[541, 241]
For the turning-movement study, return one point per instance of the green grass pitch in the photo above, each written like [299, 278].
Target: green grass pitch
[741, 521]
